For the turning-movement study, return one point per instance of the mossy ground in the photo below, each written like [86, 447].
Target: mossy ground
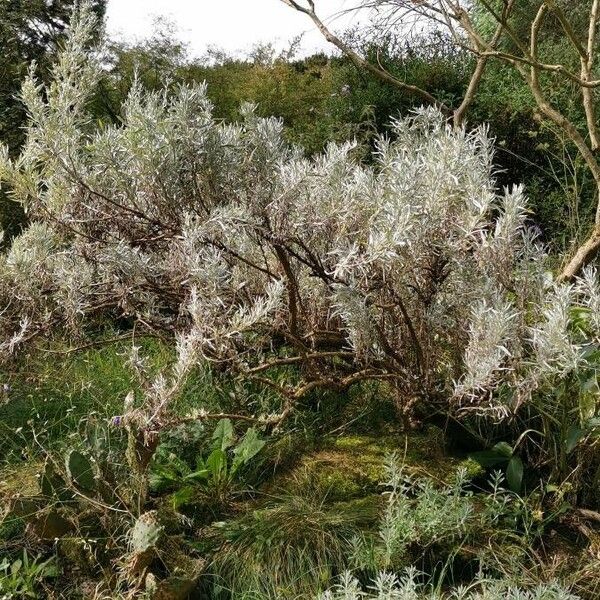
[353, 465]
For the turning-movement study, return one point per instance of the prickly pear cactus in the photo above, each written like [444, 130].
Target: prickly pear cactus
[53, 486]
[143, 539]
[80, 471]
[146, 532]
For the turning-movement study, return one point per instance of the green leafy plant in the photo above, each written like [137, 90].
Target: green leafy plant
[502, 455]
[418, 512]
[214, 473]
[20, 578]
[410, 586]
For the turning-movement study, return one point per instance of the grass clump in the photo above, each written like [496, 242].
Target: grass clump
[290, 548]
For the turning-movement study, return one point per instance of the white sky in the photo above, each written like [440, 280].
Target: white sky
[233, 25]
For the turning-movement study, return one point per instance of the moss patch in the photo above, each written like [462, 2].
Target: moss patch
[353, 466]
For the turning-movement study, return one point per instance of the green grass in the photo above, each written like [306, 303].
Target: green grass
[53, 390]
[315, 488]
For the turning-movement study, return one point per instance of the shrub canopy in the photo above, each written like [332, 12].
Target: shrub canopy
[412, 270]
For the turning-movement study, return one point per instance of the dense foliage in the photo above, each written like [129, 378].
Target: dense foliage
[269, 304]
[211, 225]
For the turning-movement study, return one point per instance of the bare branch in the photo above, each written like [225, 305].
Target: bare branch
[482, 58]
[587, 65]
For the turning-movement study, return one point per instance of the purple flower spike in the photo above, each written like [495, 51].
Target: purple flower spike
[117, 421]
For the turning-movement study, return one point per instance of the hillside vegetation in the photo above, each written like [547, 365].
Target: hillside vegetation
[272, 329]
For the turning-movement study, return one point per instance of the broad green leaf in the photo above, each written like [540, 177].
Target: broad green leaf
[574, 434]
[247, 449]
[223, 436]
[514, 474]
[504, 449]
[162, 477]
[216, 463]
[488, 458]
[197, 475]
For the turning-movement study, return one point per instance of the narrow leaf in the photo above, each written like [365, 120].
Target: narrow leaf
[514, 474]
